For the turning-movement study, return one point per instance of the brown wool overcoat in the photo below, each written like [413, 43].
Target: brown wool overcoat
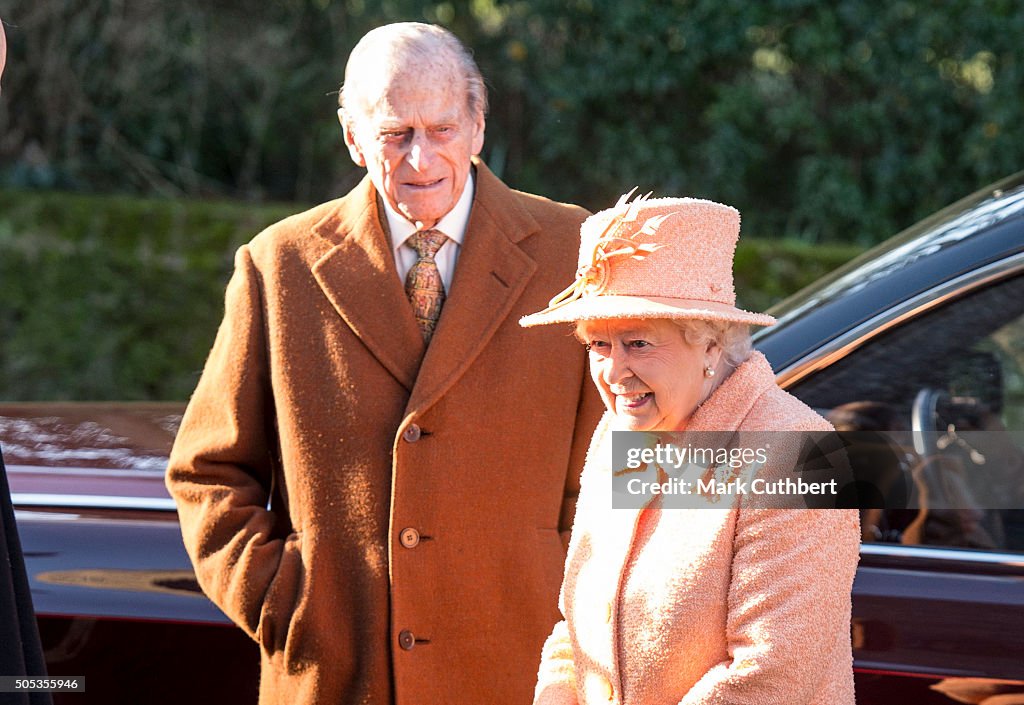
[388, 520]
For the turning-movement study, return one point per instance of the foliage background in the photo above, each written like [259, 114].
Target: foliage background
[833, 123]
[842, 120]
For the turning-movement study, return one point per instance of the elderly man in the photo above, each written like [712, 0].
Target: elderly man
[378, 469]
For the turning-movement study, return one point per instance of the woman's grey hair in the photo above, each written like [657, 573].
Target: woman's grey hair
[411, 44]
[732, 338]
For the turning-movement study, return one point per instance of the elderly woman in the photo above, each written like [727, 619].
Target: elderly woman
[665, 605]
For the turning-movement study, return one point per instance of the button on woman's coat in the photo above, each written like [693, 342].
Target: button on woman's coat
[706, 605]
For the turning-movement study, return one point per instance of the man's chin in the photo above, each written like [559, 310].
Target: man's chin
[428, 216]
[432, 200]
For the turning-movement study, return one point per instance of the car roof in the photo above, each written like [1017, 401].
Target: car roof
[984, 228]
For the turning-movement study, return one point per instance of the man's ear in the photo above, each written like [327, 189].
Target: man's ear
[478, 136]
[350, 139]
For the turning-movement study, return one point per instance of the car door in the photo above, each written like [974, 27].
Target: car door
[939, 596]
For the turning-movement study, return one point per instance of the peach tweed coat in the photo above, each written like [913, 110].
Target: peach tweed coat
[706, 605]
[389, 521]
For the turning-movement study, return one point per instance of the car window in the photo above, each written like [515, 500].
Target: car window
[946, 392]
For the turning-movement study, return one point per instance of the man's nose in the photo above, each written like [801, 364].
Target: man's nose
[420, 151]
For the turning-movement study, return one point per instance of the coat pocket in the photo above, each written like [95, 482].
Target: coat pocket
[281, 605]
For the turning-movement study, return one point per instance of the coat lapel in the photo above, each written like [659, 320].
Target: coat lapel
[359, 278]
[611, 522]
[730, 404]
[491, 274]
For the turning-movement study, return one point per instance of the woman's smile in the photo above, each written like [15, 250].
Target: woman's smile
[631, 402]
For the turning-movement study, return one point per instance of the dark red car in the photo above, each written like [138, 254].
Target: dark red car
[113, 589]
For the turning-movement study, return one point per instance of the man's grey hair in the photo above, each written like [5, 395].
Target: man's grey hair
[410, 44]
[732, 338]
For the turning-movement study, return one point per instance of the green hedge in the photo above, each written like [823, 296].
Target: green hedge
[105, 298]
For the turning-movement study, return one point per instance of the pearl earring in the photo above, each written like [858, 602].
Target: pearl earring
[709, 371]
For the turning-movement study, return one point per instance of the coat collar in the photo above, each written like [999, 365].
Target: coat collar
[732, 402]
[358, 276]
[491, 275]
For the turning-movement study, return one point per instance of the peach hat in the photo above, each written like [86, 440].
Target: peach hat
[654, 258]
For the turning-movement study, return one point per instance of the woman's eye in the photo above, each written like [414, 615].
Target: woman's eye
[596, 346]
[638, 343]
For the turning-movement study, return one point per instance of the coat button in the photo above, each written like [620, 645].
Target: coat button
[609, 692]
[412, 433]
[410, 538]
[406, 639]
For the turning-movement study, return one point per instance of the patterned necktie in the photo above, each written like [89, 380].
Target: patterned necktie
[423, 283]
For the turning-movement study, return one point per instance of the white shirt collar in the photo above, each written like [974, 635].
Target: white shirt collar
[453, 224]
